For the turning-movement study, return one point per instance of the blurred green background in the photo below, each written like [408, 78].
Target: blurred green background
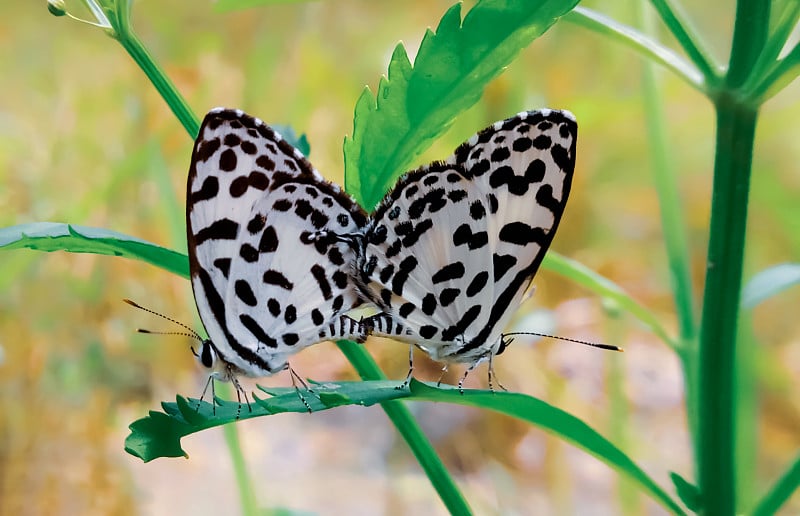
[85, 139]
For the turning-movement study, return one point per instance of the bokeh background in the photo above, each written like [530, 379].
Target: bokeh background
[85, 139]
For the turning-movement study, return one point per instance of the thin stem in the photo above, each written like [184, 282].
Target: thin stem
[673, 226]
[131, 43]
[688, 39]
[244, 482]
[781, 491]
[778, 76]
[776, 41]
[638, 42]
[410, 431]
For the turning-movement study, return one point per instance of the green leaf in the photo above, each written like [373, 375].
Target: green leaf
[770, 282]
[415, 105]
[598, 284]
[688, 492]
[56, 236]
[298, 142]
[780, 492]
[159, 434]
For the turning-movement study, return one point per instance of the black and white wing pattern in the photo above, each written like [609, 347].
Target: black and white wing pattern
[451, 250]
[266, 281]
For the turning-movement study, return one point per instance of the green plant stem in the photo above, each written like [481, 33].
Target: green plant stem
[247, 495]
[688, 39]
[780, 492]
[777, 77]
[410, 431]
[638, 42]
[717, 368]
[131, 43]
[716, 401]
[672, 224]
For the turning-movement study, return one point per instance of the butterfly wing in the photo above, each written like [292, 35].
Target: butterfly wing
[240, 170]
[484, 218]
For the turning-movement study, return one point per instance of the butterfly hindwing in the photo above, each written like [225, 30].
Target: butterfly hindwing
[452, 248]
[253, 205]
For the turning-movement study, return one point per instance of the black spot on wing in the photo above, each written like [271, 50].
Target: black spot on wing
[464, 235]
[222, 229]
[290, 314]
[406, 309]
[477, 283]
[227, 160]
[408, 264]
[545, 198]
[208, 190]
[248, 253]
[429, 304]
[459, 328]
[244, 292]
[476, 210]
[223, 265]
[428, 331]
[274, 307]
[501, 264]
[450, 271]
[273, 277]
[448, 295]
[542, 142]
[265, 162]
[519, 233]
[269, 240]
[256, 224]
[257, 331]
[322, 281]
[248, 147]
[500, 154]
[207, 149]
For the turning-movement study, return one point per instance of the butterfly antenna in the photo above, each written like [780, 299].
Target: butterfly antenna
[585, 343]
[193, 334]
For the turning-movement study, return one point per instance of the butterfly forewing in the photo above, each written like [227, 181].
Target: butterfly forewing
[451, 250]
[266, 284]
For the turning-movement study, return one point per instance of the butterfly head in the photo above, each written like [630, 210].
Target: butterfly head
[217, 366]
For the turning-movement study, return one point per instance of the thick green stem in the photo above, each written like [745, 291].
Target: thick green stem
[735, 132]
[717, 366]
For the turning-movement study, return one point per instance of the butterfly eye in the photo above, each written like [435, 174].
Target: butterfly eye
[207, 356]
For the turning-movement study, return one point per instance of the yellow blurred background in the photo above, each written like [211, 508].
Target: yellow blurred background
[85, 139]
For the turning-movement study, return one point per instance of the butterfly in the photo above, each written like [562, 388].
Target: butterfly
[451, 250]
[267, 281]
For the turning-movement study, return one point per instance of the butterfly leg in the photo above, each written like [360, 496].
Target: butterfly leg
[296, 378]
[492, 374]
[441, 376]
[405, 383]
[466, 373]
[210, 381]
[239, 392]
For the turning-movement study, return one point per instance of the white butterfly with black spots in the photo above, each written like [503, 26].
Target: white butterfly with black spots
[451, 250]
[266, 283]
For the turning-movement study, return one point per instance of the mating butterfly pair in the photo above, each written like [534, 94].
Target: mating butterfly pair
[279, 256]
